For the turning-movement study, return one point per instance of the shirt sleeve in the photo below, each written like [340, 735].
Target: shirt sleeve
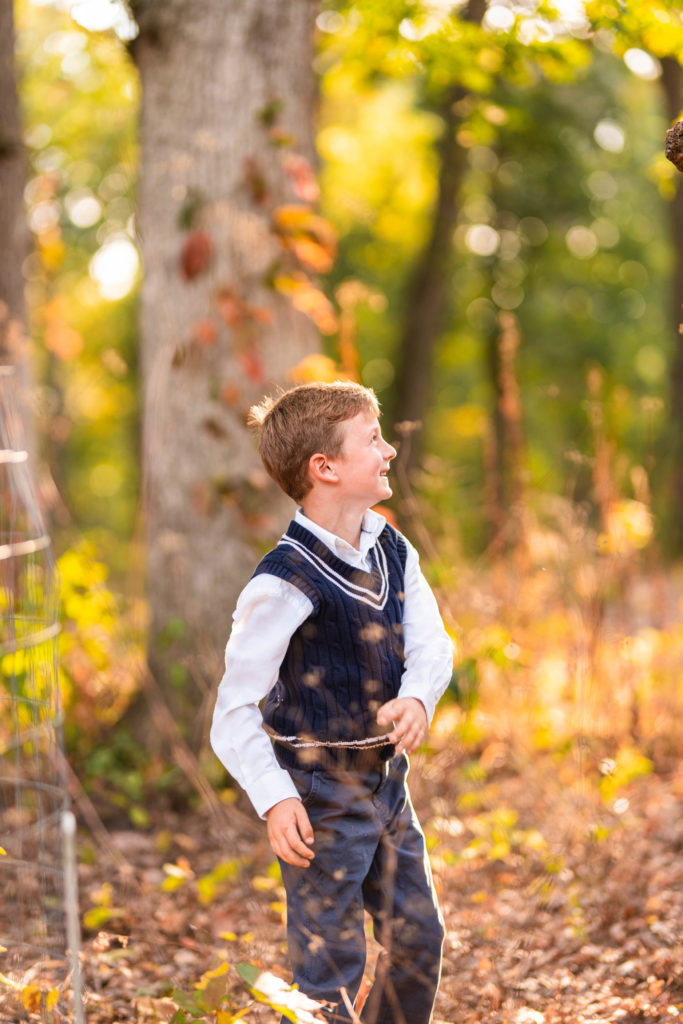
[428, 649]
[268, 612]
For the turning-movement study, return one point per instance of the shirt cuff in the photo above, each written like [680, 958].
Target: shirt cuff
[269, 789]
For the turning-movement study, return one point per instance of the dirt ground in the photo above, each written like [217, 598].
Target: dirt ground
[560, 906]
[563, 899]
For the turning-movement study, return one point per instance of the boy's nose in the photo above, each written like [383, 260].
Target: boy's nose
[389, 451]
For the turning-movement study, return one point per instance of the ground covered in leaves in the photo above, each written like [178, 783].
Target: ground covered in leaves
[561, 886]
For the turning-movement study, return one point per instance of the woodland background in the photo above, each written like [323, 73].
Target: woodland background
[468, 208]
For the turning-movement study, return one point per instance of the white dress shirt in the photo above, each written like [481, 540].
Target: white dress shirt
[269, 611]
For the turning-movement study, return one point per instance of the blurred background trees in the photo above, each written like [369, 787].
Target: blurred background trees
[493, 248]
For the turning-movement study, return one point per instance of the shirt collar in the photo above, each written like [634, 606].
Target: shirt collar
[371, 527]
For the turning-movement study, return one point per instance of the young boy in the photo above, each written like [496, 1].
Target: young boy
[339, 631]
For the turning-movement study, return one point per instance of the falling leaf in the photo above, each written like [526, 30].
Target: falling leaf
[195, 254]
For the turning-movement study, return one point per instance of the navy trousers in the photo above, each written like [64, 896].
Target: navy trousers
[370, 855]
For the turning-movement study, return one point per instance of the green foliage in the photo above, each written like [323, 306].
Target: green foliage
[464, 684]
[79, 94]
[563, 221]
[581, 253]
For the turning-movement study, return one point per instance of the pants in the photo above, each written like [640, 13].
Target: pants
[369, 854]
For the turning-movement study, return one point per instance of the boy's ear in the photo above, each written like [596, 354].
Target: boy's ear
[320, 468]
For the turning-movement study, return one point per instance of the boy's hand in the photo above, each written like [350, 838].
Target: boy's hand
[410, 722]
[289, 831]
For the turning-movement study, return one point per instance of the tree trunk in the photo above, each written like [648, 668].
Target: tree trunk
[428, 291]
[14, 237]
[228, 93]
[672, 83]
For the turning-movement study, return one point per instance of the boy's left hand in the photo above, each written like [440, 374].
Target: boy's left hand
[410, 723]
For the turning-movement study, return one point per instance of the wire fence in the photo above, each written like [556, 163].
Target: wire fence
[33, 792]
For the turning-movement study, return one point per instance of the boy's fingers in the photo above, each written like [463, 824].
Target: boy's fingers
[296, 843]
[287, 845]
[290, 857]
[303, 824]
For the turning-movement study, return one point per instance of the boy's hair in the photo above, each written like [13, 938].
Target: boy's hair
[303, 421]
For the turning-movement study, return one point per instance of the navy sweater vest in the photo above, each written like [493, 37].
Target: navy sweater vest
[346, 659]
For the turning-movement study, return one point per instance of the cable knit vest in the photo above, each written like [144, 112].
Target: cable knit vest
[346, 659]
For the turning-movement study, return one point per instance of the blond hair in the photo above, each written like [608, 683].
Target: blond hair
[302, 422]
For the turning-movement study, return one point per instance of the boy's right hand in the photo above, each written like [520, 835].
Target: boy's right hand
[290, 832]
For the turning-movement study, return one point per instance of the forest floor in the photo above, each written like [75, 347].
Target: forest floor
[563, 901]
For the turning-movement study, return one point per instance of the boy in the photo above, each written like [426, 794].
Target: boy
[340, 632]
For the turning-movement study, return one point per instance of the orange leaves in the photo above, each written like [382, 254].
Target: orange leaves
[243, 317]
[315, 367]
[252, 364]
[60, 338]
[309, 236]
[204, 333]
[237, 313]
[313, 241]
[309, 300]
[195, 254]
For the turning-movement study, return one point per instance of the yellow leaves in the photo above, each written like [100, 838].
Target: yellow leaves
[176, 875]
[214, 984]
[465, 421]
[103, 911]
[263, 883]
[628, 765]
[315, 367]
[218, 881]
[659, 37]
[37, 1000]
[51, 248]
[629, 528]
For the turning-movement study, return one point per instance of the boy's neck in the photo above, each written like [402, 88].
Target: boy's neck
[343, 522]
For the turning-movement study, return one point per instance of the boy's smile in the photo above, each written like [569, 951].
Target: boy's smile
[363, 464]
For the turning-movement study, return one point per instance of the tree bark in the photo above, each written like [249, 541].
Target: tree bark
[14, 236]
[428, 291]
[227, 89]
[672, 84]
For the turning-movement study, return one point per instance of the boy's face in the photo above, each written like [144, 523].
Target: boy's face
[363, 464]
